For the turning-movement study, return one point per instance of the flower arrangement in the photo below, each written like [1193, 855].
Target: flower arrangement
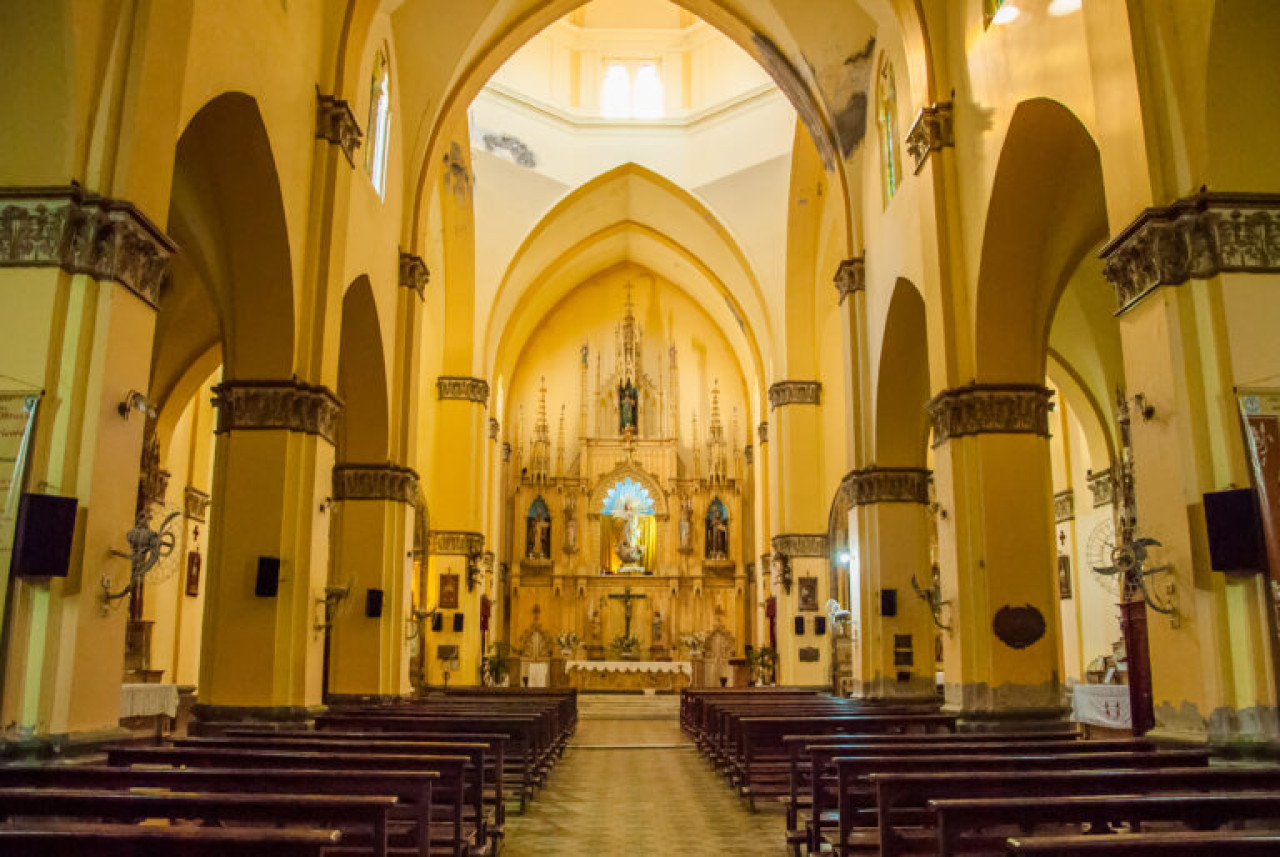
[762, 662]
[626, 646]
[694, 642]
[567, 641]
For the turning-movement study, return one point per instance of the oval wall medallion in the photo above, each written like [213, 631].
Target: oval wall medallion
[1018, 627]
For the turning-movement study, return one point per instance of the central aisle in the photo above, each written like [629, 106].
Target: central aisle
[632, 784]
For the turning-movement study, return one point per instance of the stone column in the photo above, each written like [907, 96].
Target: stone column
[262, 652]
[996, 550]
[889, 524]
[373, 517]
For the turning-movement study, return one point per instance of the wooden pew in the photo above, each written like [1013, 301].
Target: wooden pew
[1180, 844]
[449, 792]
[964, 823]
[413, 790]
[365, 813]
[128, 840]
[855, 772]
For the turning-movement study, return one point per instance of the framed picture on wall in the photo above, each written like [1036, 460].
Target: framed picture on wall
[808, 594]
[448, 592]
[193, 573]
[1064, 576]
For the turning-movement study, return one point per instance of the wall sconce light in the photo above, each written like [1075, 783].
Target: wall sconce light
[136, 401]
[1144, 407]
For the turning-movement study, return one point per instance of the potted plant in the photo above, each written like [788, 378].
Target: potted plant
[762, 662]
[627, 647]
[567, 641]
[496, 666]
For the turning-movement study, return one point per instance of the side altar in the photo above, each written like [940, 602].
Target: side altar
[630, 543]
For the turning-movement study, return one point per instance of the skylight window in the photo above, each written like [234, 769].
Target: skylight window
[632, 90]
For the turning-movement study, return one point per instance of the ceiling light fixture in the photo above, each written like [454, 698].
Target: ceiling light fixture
[1006, 14]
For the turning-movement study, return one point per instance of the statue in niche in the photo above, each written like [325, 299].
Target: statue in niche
[538, 531]
[593, 624]
[628, 407]
[686, 524]
[656, 635]
[717, 546]
[570, 525]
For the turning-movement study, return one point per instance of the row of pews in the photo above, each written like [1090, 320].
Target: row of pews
[433, 776]
[858, 777]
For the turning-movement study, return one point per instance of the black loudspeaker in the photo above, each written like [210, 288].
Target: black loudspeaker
[819, 625]
[43, 534]
[457, 621]
[1234, 521]
[373, 603]
[888, 602]
[437, 622]
[268, 582]
[799, 625]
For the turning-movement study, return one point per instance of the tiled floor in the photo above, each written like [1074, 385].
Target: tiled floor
[627, 788]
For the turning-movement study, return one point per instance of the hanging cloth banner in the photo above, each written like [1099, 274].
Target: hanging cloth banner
[17, 417]
[1260, 410]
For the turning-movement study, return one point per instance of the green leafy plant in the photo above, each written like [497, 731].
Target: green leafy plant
[763, 661]
[496, 666]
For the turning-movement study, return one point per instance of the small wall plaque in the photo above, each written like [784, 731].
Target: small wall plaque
[1018, 627]
[810, 655]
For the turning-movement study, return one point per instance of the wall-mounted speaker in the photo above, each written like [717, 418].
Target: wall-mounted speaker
[437, 622]
[373, 603]
[43, 534]
[799, 625]
[1234, 522]
[819, 625]
[888, 602]
[267, 584]
[457, 622]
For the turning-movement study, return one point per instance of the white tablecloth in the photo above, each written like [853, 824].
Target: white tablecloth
[148, 700]
[631, 666]
[1101, 705]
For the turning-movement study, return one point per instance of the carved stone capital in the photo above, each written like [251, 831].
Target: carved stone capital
[336, 123]
[454, 543]
[887, 485]
[375, 482]
[931, 130]
[195, 503]
[1064, 506]
[851, 276]
[763, 431]
[1197, 237]
[1103, 487]
[83, 233]
[785, 393]
[990, 409]
[414, 274]
[800, 544]
[459, 387]
[277, 406]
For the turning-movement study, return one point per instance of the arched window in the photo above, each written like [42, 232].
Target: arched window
[632, 89]
[379, 125]
[887, 119]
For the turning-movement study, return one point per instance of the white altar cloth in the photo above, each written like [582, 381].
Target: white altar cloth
[1101, 705]
[148, 700]
[631, 667]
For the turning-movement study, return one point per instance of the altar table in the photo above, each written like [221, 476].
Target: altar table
[1101, 705]
[148, 700]
[628, 675]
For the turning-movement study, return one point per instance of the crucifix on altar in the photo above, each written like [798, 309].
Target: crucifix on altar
[626, 598]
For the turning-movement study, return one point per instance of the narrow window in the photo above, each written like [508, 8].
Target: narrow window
[887, 119]
[615, 101]
[379, 125]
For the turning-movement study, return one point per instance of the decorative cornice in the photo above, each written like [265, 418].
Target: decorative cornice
[851, 277]
[414, 274]
[375, 482]
[763, 431]
[1103, 487]
[931, 130]
[1064, 506]
[785, 393]
[494, 428]
[276, 405]
[1196, 237]
[800, 544]
[336, 123]
[989, 409]
[454, 543]
[83, 233]
[195, 503]
[887, 485]
[460, 387]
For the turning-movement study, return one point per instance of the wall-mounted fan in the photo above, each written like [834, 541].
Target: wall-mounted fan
[150, 553]
[1120, 566]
